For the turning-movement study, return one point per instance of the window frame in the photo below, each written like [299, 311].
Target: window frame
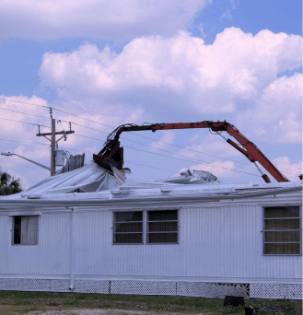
[114, 233]
[145, 227]
[284, 230]
[13, 228]
[163, 232]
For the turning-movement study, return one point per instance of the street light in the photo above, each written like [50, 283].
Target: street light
[22, 157]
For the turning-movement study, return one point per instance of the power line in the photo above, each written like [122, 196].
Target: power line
[126, 138]
[27, 143]
[180, 147]
[138, 135]
[30, 143]
[162, 169]
[194, 161]
[23, 122]
[174, 145]
[15, 111]
[89, 120]
[150, 146]
[6, 98]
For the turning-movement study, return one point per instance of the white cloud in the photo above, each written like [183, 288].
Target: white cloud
[226, 15]
[176, 72]
[19, 109]
[290, 170]
[211, 146]
[282, 101]
[164, 142]
[50, 19]
[277, 116]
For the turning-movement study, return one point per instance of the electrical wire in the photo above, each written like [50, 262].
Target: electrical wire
[98, 123]
[194, 161]
[30, 143]
[150, 146]
[123, 137]
[89, 120]
[24, 122]
[162, 169]
[27, 143]
[15, 111]
[6, 98]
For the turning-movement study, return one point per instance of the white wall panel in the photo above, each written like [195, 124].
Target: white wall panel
[215, 242]
[50, 256]
[223, 243]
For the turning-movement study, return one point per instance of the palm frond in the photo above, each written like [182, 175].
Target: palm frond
[5, 178]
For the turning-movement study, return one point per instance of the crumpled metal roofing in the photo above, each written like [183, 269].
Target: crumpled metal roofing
[94, 182]
[89, 178]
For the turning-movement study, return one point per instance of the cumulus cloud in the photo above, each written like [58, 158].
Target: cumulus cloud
[164, 142]
[290, 170]
[20, 138]
[282, 101]
[51, 19]
[210, 146]
[277, 115]
[177, 72]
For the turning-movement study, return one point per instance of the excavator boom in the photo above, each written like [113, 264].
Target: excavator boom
[112, 153]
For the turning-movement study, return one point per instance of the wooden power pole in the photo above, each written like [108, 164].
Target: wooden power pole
[53, 141]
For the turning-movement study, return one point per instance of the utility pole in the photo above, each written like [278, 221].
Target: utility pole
[53, 141]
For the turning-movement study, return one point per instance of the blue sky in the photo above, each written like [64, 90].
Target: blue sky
[147, 61]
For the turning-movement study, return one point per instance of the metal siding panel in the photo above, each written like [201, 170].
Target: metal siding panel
[5, 241]
[217, 242]
[214, 242]
[51, 254]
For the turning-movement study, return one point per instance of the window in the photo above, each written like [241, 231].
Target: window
[162, 227]
[128, 227]
[145, 227]
[25, 230]
[282, 233]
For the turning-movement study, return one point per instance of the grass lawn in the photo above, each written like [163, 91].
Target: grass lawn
[23, 302]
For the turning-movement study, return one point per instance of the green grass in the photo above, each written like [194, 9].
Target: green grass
[186, 305]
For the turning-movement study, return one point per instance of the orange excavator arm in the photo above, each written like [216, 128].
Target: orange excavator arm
[112, 153]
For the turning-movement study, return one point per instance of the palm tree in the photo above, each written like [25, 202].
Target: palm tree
[16, 186]
[9, 185]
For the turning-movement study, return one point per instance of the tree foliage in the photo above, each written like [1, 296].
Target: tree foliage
[9, 185]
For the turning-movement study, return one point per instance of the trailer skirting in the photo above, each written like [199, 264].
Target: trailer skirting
[144, 287]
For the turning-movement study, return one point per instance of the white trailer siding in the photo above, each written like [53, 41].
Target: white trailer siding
[215, 243]
[49, 257]
[219, 243]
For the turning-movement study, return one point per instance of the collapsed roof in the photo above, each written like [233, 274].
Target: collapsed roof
[92, 182]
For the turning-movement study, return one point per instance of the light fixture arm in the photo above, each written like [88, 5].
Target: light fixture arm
[24, 158]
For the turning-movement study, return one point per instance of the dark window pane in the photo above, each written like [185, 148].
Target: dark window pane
[282, 236]
[282, 212]
[286, 224]
[162, 237]
[128, 238]
[163, 215]
[128, 227]
[17, 230]
[26, 230]
[163, 226]
[128, 216]
[282, 249]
